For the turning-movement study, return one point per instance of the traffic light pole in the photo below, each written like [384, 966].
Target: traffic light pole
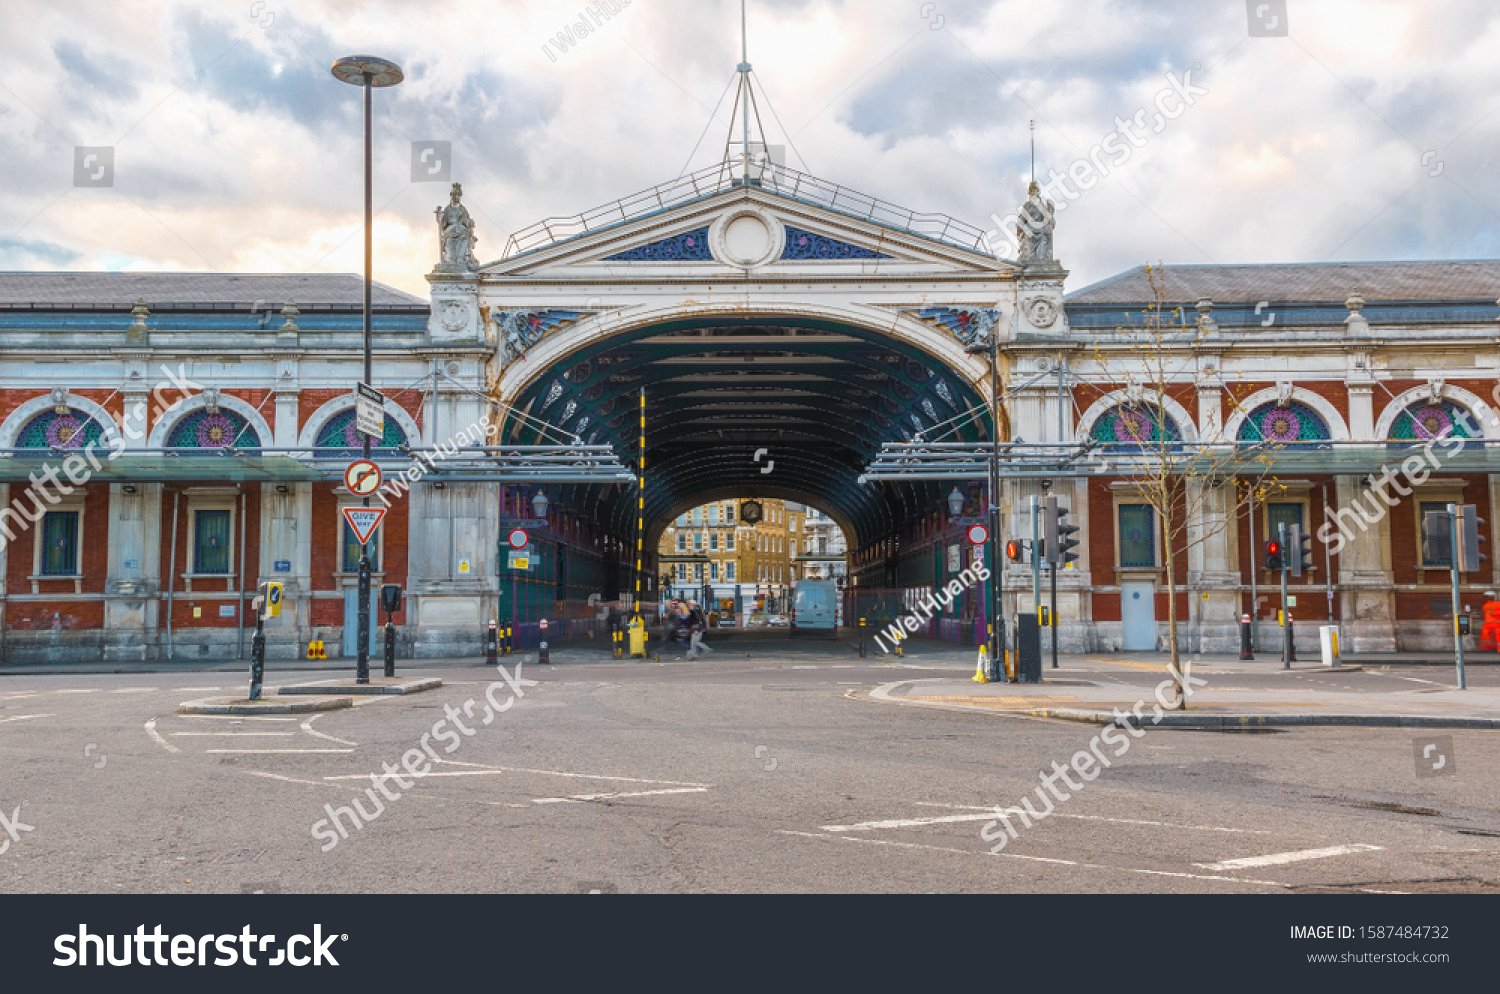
[1052, 614]
[997, 562]
[1286, 611]
[1036, 561]
[1458, 639]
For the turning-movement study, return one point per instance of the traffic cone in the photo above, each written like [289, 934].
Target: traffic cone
[982, 673]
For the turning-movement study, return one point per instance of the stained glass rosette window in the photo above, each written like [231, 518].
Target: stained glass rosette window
[340, 431]
[1422, 422]
[1135, 426]
[71, 430]
[1292, 423]
[220, 429]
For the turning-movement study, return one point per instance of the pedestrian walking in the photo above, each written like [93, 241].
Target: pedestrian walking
[697, 624]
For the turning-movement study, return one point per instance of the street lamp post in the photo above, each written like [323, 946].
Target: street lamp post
[368, 72]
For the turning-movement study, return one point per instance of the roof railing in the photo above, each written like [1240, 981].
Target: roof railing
[780, 180]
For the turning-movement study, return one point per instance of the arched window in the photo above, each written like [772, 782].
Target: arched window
[219, 429]
[339, 430]
[1292, 423]
[1136, 426]
[72, 429]
[1424, 421]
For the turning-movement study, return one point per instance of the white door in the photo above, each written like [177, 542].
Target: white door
[1138, 614]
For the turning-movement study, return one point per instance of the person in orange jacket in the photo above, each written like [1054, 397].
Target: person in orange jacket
[1489, 635]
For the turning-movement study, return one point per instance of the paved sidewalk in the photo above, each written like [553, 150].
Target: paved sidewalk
[1098, 688]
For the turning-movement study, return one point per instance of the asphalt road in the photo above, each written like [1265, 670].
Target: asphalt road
[772, 773]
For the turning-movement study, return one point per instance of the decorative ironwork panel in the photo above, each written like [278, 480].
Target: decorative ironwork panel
[806, 245]
[690, 246]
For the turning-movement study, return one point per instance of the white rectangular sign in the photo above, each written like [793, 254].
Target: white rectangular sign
[369, 412]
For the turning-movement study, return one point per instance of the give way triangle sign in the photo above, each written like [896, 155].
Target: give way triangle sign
[364, 521]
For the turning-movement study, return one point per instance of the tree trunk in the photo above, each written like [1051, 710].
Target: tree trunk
[1180, 702]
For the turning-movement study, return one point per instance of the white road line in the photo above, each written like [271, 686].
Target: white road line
[577, 798]
[1116, 821]
[263, 752]
[276, 776]
[493, 770]
[1040, 859]
[180, 690]
[865, 826]
[90, 690]
[23, 717]
[234, 734]
[134, 690]
[1280, 858]
[307, 727]
[156, 737]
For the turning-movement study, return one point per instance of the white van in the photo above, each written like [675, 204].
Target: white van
[815, 608]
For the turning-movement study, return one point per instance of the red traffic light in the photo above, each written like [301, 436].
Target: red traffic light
[1273, 548]
[1013, 550]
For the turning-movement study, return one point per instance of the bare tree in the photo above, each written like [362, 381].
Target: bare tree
[1195, 489]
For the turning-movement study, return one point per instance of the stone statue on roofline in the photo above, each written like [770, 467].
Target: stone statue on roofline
[1034, 224]
[456, 236]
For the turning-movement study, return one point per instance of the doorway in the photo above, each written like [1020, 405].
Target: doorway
[1138, 617]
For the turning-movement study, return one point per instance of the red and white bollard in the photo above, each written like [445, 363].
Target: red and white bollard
[491, 645]
[542, 654]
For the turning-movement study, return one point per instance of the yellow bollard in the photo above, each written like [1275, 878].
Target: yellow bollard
[637, 639]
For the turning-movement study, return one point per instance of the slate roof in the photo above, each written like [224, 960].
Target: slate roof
[194, 291]
[1471, 280]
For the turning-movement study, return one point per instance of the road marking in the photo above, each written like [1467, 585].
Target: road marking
[262, 752]
[491, 771]
[275, 776]
[865, 826]
[1116, 821]
[577, 798]
[1038, 859]
[234, 734]
[23, 717]
[307, 727]
[134, 690]
[90, 690]
[156, 736]
[1280, 858]
[181, 690]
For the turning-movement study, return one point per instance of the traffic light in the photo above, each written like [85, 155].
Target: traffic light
[1015, 551]
[1469, 556]
[1437, 537]
[1299, 549]
[1273, 556]
[1059, 541]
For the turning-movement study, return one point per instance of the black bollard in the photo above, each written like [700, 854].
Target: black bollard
[390, 646]
[1245, 652]
[543, 655]
[491, 644]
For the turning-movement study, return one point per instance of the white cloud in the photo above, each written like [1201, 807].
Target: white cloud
[236, 149]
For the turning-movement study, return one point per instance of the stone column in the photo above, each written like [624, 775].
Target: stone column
[1367, 622]
[286, 523]
[132, 586]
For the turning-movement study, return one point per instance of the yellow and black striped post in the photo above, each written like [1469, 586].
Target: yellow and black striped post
[640, 516]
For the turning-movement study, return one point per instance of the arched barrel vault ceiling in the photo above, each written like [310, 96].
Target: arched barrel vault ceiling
[819, 396]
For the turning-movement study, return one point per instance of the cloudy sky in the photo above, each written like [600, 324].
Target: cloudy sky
[1367, 130]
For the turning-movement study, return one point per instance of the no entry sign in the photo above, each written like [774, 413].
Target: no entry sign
[979, 534]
